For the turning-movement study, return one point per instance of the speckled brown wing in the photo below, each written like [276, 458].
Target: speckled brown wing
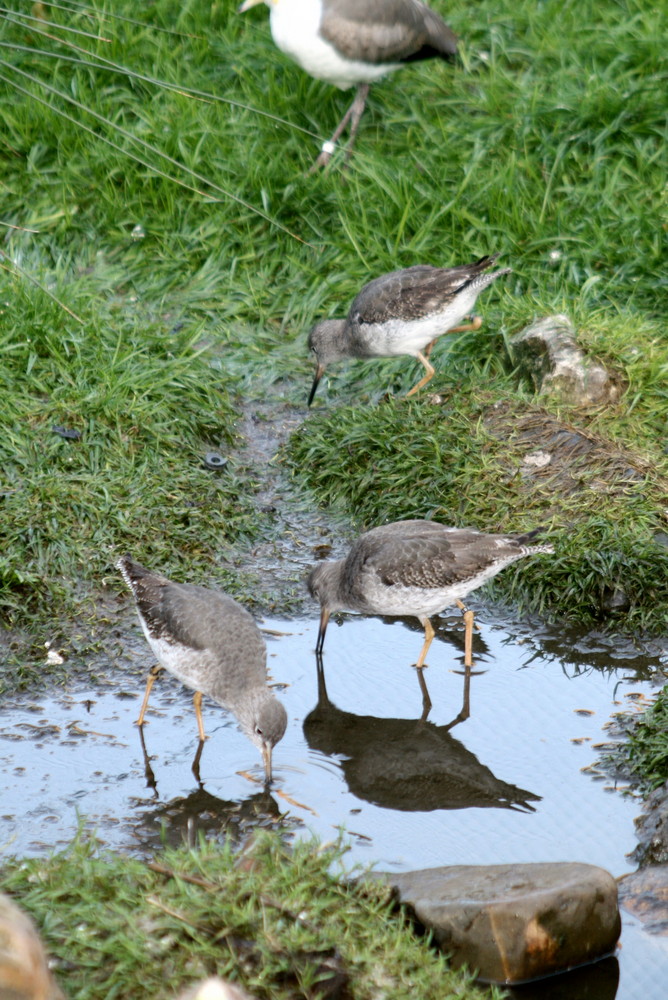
[386, 31]
[192, 616]
[427, 555]
[413, 291]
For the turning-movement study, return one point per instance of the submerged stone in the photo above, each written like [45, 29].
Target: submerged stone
[652, 829]
[645, 894]
[514, 923]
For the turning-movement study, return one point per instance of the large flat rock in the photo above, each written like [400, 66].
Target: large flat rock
[514, 923]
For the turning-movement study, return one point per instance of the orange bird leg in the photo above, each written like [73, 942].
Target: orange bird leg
[197, 703]
[428, 636]
[475, 324]
[423, 381]
[153, 673]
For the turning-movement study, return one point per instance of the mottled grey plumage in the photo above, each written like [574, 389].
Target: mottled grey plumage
[354, 42]
[403, 312]
[386, 31]
[413, 568]
[212, 645]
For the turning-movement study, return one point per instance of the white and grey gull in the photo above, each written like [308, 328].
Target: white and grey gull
[352, 43]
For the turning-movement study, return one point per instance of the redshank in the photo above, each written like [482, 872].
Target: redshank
[213, 646]
[403, 312]
[354, 42]
[415, 568]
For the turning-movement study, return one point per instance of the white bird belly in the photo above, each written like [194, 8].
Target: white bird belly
[187, 665]
[294, 28]
[382, 599]
[400, 336]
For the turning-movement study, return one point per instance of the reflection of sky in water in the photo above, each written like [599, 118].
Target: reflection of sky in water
[62, 758]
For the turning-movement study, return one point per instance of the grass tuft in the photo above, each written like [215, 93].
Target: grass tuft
[283, 923]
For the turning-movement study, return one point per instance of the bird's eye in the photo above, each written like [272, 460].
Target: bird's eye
[258, 731]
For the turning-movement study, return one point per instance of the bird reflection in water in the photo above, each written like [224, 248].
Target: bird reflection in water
[405, 764]
[184, 818]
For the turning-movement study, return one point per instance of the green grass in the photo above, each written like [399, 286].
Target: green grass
[643, 756]
[461, 461]
[281, 923]
[546, 142]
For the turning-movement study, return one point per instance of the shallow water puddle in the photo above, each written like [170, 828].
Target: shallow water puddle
[505, 785]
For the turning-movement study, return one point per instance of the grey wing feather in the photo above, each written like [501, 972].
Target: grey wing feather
[386, 31]
[195, 616]
[412, 291]
[206, 619]
[422, 555]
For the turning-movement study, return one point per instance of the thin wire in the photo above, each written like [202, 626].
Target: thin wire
[105, 63]
[53, 24]
[14, 268]
[139, 142]
[104, 16]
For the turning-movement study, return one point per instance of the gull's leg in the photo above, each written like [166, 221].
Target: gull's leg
[358, 106]
[152, 674]
[428, 636]
[197, 703]
[423, 381]
[468, 639]
[352, 115]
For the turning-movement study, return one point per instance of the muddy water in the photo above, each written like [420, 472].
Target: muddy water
[515, 781]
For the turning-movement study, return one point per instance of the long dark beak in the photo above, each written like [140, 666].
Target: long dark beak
[324, 618]
[266, 760]
[318, 375]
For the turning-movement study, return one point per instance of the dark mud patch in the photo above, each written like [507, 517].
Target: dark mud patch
[294, 532]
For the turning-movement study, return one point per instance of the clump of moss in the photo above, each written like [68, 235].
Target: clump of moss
[280, 921]
[106, 424]
[644, 753]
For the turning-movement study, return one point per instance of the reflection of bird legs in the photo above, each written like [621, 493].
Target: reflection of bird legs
[426, 700]
[464, 711]
[352, 115]
[149, 774]
[194, 767]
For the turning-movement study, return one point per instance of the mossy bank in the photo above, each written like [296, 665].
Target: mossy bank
[283, 923]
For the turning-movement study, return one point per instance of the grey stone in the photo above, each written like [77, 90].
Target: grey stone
[548, 351]
[645, 894]
[652, 829]
[514, 923]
